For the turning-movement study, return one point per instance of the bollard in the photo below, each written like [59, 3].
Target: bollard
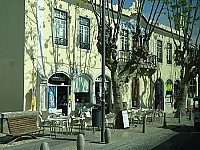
[80, 142]
[179, 118]
[107, 136]
[164, 123]
[44, 146]
[144, 124]
[190, 115]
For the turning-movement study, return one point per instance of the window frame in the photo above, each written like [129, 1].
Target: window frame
[88, 33]
[192, 90]
[124, 39]
[169, 85]
[66, 27]
[159, 51]
[169, 53]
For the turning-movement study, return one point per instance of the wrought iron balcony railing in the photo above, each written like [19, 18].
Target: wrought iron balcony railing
[149, 62]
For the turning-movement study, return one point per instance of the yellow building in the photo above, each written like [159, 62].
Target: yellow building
[51, 60]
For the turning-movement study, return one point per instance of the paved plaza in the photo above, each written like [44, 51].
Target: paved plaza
[120, 138]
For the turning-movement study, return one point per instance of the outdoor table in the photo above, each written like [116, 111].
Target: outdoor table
[54, 123]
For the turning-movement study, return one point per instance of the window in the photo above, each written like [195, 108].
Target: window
[82, 92]
[159, 51]
[84, 27]
[60, 22]
[169, 87]
[124, 37]
[192, 89]
[169, 53]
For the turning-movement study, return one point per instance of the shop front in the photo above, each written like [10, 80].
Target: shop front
[59, 93]
[169, 96]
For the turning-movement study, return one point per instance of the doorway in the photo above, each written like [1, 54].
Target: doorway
[59, 95]
[159, 94]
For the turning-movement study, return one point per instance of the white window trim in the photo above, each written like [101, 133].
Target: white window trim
[161, 50]
[168, 56]
[125, 39]
[90, 27]
[67, 29]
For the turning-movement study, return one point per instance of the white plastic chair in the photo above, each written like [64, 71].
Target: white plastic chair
[44, 115]
[110, 120]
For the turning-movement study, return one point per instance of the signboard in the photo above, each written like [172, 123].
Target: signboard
[168, 99]
[125, 118]
[168, 87]
[52, 97]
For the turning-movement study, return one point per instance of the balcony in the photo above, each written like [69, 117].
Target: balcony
[149, 64]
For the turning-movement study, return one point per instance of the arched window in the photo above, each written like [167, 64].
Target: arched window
[169, 87]
[83, 86]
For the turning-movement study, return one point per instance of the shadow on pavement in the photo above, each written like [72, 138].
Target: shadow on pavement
[182, 141]
[180, 128]
[186, 139]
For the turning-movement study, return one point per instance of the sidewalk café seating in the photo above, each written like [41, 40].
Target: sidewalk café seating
[158, 115]
[110, 120]
[139, 116]
[77, 121]
[76, 113]
[44, 122]
[88, 119]
[130, 117]
[88, 122]
[87, 114]
[61, 124]
[149, 115]
[58, 112]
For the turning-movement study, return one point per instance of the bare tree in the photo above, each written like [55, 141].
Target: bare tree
[123, 71]
[184, 14]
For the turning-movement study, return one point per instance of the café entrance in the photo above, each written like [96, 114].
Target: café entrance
[59, 93]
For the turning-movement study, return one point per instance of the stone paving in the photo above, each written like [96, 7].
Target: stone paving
[120, 138]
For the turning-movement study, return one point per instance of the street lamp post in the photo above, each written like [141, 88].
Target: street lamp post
[103, 72]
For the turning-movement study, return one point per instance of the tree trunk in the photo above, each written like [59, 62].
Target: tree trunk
[182, 100]
[117, 99]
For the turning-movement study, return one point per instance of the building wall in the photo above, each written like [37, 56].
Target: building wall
[40, 48]
[57, 58]
[30, 51]
[12, 55]
[166, 71]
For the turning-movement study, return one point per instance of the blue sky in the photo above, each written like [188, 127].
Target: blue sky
[163, 18]
[127, 4]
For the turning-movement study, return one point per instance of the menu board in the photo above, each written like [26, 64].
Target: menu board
[125, 118]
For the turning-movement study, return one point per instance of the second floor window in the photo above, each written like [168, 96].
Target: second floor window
[60, 22]
[169, 53]
[124, 37]
[84, 28]
[159, 51]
